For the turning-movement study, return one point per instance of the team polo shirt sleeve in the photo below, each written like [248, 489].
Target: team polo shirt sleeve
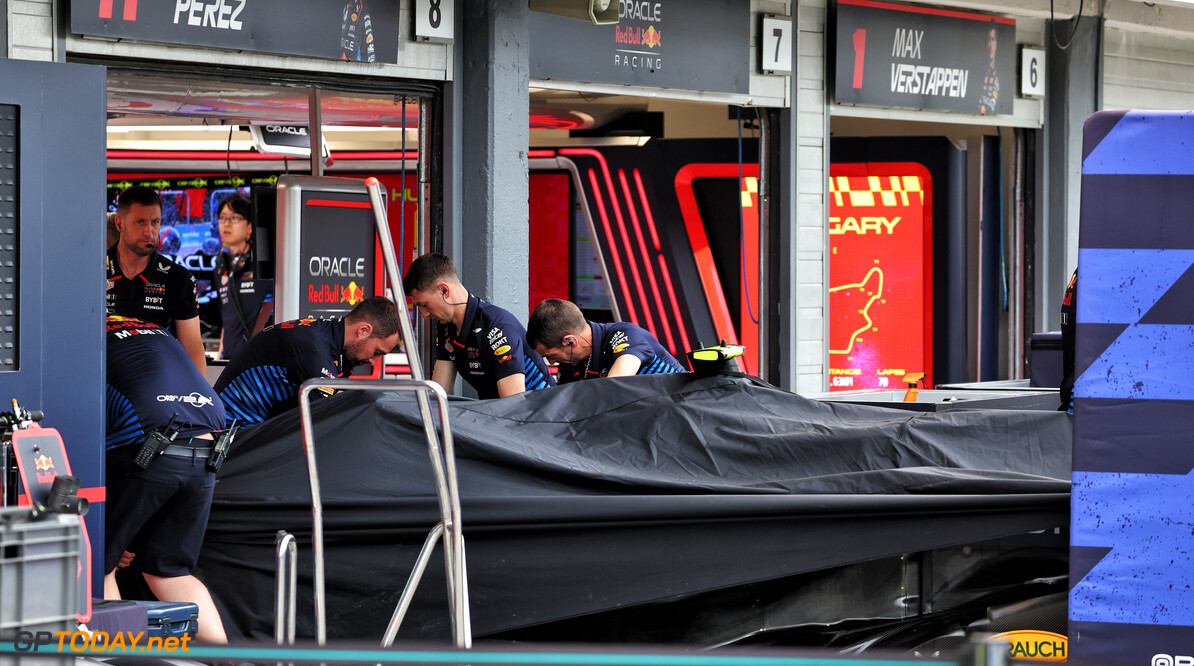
[511, 357]
[629, 341]
[186, 305]
[633, 340]
[442, 351]
[505, 345]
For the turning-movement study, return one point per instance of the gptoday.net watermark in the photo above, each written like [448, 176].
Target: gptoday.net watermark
[97, 641]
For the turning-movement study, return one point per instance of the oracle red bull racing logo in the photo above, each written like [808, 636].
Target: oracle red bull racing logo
[631, 39]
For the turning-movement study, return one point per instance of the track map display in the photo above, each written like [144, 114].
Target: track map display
[880, 308]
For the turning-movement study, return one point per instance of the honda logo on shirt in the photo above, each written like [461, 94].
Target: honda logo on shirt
[130, 9]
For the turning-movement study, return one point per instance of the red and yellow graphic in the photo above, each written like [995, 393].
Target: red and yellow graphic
[45, 469]
[880, 274]
[43, 462]
[352, 293]
[651, 37]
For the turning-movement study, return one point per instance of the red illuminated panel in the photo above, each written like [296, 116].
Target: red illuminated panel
[550, 205]
[880, 275]
[723, 321]
[403, 224]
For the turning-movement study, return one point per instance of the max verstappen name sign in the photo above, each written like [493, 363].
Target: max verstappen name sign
[924, 58]
[691, 45]
[354, 30]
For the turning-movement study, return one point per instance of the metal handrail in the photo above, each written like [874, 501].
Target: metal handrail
[408, 592]
[285, 587]
[378, 202]
[443, 465]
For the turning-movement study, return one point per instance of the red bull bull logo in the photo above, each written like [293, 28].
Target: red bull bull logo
[352, 293]
[45, 468]
[651, 37]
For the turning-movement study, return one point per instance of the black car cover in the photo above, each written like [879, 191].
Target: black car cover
[604, 494]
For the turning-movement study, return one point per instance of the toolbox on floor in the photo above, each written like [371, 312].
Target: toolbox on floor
[113, 615]
[171, 618]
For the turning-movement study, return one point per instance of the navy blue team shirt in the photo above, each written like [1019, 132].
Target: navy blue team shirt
[163, 293]
[247, 289]
[613, 340]
[262, 380]
[491, 345]
[150, 379]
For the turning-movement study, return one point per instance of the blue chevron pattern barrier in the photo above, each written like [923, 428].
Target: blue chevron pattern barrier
[1132, 548]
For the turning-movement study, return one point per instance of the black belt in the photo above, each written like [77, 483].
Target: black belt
[195, 447]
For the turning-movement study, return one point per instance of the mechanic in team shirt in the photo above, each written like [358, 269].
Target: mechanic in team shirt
[559, 331]
[146, 285]
[485, 344]
[159, 512]
[264, 377]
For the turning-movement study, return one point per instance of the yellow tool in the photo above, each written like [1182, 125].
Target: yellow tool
[715, 359]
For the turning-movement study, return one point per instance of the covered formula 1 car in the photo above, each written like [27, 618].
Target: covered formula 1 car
[602, 496]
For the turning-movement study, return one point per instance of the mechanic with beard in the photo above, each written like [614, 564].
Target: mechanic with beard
[145, 285]
[481, 341]
[263, 379]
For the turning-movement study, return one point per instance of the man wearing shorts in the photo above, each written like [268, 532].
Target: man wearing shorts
[159, 513]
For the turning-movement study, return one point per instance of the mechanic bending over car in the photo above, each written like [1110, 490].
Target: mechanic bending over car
[161, 414]
[588, 350]
[485, 344]
[263, 379]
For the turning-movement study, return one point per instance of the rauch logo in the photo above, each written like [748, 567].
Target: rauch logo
[1031, 645]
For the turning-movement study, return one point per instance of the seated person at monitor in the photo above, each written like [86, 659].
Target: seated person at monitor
[160, 511]
[587, 350]
[264, 377]
[481, 341]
